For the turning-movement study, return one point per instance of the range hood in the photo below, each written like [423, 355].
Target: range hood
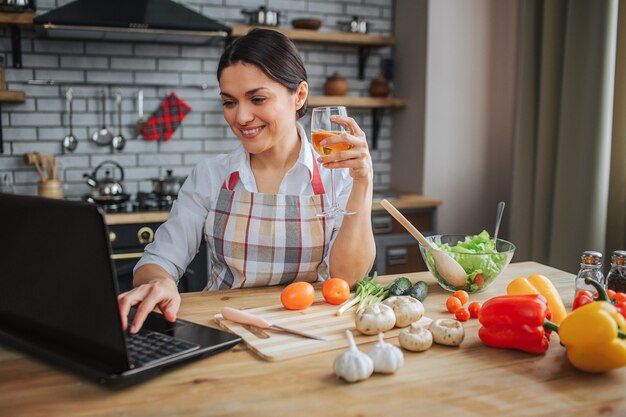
[132, 20]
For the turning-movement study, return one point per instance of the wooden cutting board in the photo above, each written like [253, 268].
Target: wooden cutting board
[319, 319]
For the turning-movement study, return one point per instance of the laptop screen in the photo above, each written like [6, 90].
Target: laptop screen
[57, 282]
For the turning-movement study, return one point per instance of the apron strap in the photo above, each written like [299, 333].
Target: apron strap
[316, 179]
[232, 181]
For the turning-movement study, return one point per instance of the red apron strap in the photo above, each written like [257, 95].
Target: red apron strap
[232, 181]
[316, 180]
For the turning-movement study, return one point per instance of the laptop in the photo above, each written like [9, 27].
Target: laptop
[58, 297]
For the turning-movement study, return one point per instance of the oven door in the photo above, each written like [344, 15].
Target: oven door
[128, 242]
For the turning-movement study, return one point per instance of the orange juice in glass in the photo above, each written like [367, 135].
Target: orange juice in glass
[322, 128]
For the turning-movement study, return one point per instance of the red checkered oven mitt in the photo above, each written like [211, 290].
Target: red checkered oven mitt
[165, 120]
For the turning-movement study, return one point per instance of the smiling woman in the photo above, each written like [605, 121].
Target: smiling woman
[258, 207]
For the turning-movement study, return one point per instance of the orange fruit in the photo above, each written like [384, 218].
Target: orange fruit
[335, 291]
[297, 296]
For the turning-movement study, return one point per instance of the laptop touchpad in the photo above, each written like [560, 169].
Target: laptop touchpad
[157, 322]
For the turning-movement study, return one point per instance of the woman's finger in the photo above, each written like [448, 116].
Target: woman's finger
[126, 301]
[351, 123]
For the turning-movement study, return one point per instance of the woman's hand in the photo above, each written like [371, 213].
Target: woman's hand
[357, 158]
[158, 290]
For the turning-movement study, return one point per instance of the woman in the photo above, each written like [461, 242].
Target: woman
[257, 206]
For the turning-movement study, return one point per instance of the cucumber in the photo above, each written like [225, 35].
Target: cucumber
[400, 286]
[419, 291]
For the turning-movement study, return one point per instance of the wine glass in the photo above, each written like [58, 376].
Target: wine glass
[321, 128]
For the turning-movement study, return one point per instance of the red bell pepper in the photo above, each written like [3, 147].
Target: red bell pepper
[516, 322]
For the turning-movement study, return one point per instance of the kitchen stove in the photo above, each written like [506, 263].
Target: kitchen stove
[140, 203]
[153, 202]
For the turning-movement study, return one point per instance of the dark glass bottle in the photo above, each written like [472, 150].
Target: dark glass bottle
[616, 279]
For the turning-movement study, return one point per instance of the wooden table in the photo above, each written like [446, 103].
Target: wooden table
[472, 380]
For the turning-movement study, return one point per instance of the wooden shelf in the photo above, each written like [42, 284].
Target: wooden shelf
[304, 35]
[12, 96]
[357, 102]
[17, 18]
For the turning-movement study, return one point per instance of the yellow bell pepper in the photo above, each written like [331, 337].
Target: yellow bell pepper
[593, 338]
[538, 284]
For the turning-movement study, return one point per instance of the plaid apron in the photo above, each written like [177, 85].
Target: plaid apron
[258, 239]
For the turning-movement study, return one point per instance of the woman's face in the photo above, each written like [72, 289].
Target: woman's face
[260, 111]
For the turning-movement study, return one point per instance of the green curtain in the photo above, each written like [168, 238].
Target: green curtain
[562, 139]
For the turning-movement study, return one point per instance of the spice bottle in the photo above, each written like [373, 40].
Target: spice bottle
[590, 266]
[616, 279]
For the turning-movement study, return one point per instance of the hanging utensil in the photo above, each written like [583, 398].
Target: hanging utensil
[102, 136]
[243, 317]
[69, 142]
[119, 141]
[447, 266]
[140, 121]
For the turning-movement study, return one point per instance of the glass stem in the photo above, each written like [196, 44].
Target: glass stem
[332, 190]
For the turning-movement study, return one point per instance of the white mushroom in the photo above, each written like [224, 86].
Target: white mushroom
[353, 365]
[447, 332]
[386, 357]
[374, 319]
[407, 309]
[416, 338]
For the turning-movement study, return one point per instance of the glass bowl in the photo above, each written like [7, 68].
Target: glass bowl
[482, 268]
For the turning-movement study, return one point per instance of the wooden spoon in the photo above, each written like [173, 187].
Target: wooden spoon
[33, 159]
[448, 267]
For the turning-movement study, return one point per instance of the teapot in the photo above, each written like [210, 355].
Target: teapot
[109, 187]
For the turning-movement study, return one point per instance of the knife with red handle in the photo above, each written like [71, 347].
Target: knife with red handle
[243, 317]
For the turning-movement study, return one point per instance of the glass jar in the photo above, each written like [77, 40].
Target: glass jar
[590, 267]
[616, 279]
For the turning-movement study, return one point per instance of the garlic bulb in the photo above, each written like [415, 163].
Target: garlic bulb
[386, 357]
[353, 365]
[374, 319]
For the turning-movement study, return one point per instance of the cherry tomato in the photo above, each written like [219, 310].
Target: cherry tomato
[462, 296]
[583, 297]
[479, 280]
[611, 294]
[335, 291]
[297, 296]
[585, 293]
[462, 314]
[620, 297]
[474, 308]
[453, 304]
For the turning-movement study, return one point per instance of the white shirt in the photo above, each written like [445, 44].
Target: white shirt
[176, 241]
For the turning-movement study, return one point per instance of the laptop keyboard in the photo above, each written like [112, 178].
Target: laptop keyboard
[147, 346]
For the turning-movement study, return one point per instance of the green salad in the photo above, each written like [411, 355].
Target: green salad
[480, 270]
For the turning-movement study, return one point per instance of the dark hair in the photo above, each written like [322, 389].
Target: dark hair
[273, 53]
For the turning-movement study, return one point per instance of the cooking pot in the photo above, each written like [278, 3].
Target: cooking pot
[262, 16]
[168, 185]
[107, 190]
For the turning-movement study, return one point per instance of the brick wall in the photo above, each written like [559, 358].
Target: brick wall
[89, 67]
